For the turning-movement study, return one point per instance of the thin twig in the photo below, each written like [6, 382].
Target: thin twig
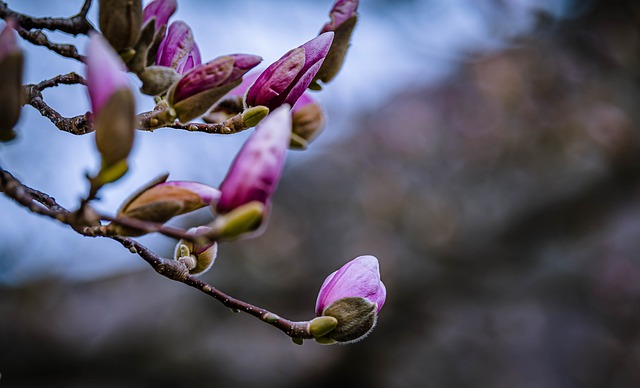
[149, 227]
[235, 124]
[42, 203]
[77, 125]
[39, 38]
[75, 25]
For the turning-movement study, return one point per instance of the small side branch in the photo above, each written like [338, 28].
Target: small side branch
[43, 204]
[75, 25]
[77, 125]
[38, 38]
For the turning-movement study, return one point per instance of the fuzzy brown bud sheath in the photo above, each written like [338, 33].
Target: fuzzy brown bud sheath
[112, 102]
[308, 121]
[160, 202]
[120, 22]
[343, 20]
[11, 65]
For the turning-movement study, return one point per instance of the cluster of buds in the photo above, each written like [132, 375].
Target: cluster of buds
[168, 61]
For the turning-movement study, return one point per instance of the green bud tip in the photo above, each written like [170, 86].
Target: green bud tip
[254, 115]
[321, 326]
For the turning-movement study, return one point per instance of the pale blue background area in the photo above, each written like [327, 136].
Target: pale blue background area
[397, 45]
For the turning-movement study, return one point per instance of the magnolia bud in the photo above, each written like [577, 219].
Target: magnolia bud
[120, 22]
[11, 64]
[197, 256]
[160, 11]
[204, 85]
[353, 295]
[343, 20]
[112, 103]
[284, 81]
[308, 121]
[160, 202]
[178, 49]
[256, 170]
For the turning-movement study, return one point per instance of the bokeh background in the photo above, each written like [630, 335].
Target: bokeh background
[485, 151]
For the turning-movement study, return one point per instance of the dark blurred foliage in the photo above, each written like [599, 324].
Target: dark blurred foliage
[503, 204]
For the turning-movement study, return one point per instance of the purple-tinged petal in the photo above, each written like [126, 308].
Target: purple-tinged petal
[216, 73]
[304, 100]
[190, 61]
[284, 81]
[256, 170]
[359, 278]
[208, 194]
[162, 10]
[176, 45]
[8, 43]
[105, 73]
[342, 10]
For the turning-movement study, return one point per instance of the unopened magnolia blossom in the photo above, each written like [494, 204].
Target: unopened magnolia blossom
[284, 81]
[256, 170]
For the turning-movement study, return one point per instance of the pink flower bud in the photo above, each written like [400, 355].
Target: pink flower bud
[284, 81]
[105, 72]
[257, 168]
[342, 10]
[218, 72]
[176, 46]
[359, 278]
[159, 202]
[161, 10]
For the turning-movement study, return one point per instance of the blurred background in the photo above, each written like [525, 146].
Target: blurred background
[486, 151]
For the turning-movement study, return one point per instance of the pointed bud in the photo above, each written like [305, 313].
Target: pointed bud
[160, 11]
[176, 46]
[204, 85]
[197, 256]
[120, 22]
[308, 121]
[353, 295]
[162, 201]
[256, 170]
[11, 67]
[112, 101]
[343, 20]
[284, 81]
[244, 221]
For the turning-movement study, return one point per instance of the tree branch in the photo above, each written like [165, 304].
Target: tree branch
[77, 125]
[75, 25]
[43, 204]
[38, 38]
